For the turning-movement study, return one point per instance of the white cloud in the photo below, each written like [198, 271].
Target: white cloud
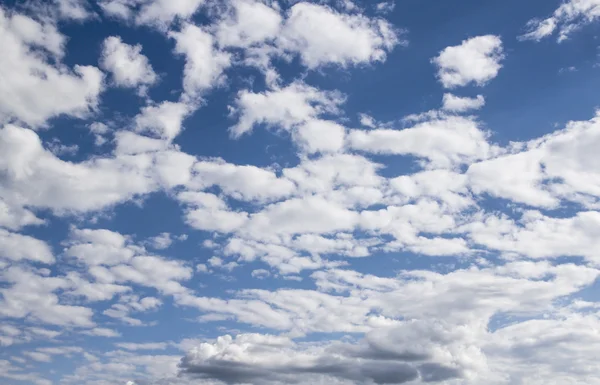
[320, 136]
[204, 64]
[559, 166]
[74, 9]
[34, 296]
[323, 36]
[142, 346]
[34, 177]
[455, 103]
[476, 60]
[15, 218]
[157, 13]
[161, 241]
[17, 247]
[248, 23]
[443, 142]
[260, 273]
[208, 212]
[102, 332]
[99, 247]
[535, 235]
[248, 183]
[283, 108]
[129, 67]
[132, 304]
[38, 88]
[567, 18]
[164, 119]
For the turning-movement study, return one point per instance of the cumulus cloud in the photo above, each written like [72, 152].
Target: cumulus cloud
[163, 120]
[156, 13]
[270, 359]
[249, 23]
[449, 140]
[558, 166]
[477, 60]
[455, 103]
[283, 108]
[129, 67]
[35, 177]
[40, 86]
[570, 16]
[322, 36]
[18, 247]
[477, 259]
[204, 64]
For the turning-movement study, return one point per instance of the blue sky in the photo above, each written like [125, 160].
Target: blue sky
[272, 192]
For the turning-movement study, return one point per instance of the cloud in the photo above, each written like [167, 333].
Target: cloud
[323, 36]
[34, 296]
[476, 60]
[283, 108]
[455, 103]
[31, 55]
[556, 167]
[35, 177]
[204, 64]
[398, 249]
[17, 247]
[102, 332]
[74, 9]
[128, 66]
[248, 23]
[248, 183]
[442, 142]
[570, 16]
[156, 13]
[270, 359]
[142, 346]
[163, 120]
[129, 304]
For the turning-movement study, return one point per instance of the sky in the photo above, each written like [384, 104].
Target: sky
[261, 192]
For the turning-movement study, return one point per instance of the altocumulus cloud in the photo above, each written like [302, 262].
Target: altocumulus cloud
[265, 192]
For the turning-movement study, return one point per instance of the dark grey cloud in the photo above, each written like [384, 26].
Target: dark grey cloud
[364, 362]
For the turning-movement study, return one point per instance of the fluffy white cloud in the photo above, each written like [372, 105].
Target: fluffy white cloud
[34, 297]
[568, 17]
[75, 9]
[443, 142]
[16, 247]
[209, 212]
[455, 103]
[538, 236]
[283, 108]
[248, 23]
[157, 13]
[476, 60]
[246, 183]
[36, 177]
[129, 67]
[142, 346]
[205, 64]
[558, 166]
[14, 217]
[39, 88]
[320, 136]
[164, 119]
[132, 304]
[323, 36]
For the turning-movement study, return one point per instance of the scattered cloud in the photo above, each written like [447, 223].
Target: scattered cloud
[570, 16]
[477, 60]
